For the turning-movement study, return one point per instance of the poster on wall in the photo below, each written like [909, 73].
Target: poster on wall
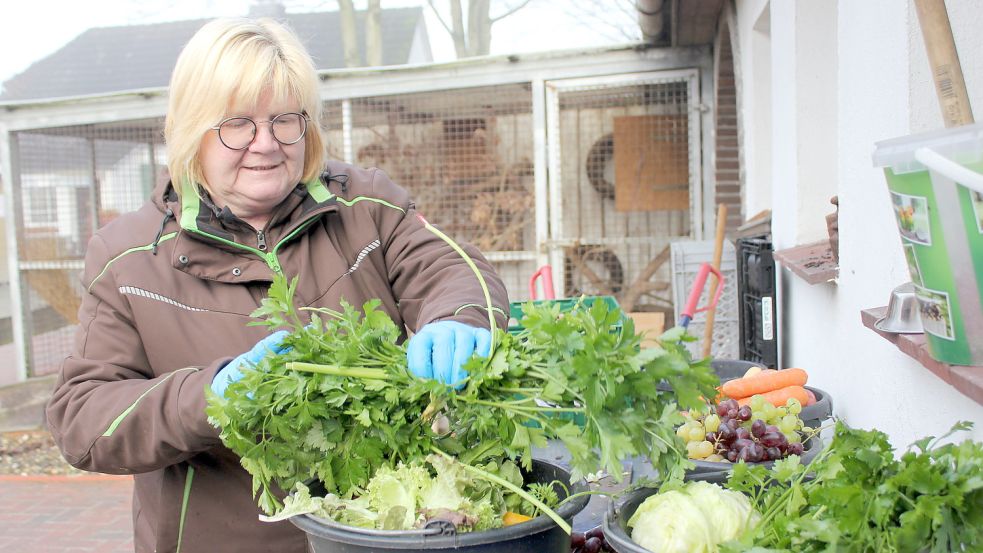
[936, 312]
[911, 213]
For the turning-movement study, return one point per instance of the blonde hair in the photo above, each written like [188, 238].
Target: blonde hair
[234, 61]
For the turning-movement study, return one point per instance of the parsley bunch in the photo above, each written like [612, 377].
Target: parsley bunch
[856, 496]
[341, 402]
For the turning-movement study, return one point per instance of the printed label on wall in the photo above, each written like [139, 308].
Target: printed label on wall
[767, 329]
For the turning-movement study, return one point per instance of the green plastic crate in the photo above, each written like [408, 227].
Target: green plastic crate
[566, 304]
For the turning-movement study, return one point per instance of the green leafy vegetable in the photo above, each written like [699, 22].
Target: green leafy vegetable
[341, 403]
[856, 496]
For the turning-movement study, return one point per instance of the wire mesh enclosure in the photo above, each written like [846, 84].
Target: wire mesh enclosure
[465, 156]
[598, 180]
[72, 180]
[624, 161]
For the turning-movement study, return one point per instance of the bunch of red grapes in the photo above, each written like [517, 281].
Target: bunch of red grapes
[591, 541]
[735, 440]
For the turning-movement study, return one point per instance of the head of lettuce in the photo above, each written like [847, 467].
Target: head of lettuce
[695, 518]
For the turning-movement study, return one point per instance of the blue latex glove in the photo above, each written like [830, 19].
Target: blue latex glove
[440, 348]
[232, 371]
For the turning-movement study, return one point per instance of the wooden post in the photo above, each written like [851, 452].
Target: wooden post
[718, 252]
[944, 61]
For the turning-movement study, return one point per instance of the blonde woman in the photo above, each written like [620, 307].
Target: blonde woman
[169, 288]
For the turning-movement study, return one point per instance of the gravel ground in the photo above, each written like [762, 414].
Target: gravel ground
[32, 452]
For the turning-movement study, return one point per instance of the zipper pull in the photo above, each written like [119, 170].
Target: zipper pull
[261, 240]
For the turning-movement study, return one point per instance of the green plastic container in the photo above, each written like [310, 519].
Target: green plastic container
[935, 182]
[516, 309]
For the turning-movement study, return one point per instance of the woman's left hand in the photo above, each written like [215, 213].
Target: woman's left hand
[440, 348]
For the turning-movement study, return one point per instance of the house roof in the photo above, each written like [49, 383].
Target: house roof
[111, 59]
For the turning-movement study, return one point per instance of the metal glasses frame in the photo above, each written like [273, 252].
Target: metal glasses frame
[218, 129]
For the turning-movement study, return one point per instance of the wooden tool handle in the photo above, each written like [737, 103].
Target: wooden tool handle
[718, 251]
[944, 61]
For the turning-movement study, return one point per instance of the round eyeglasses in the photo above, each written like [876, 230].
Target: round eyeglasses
[237, 133]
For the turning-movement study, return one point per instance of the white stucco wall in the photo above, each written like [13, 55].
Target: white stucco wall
[752, 68]
[845, 75]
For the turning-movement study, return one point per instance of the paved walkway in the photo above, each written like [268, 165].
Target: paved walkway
[66, 514]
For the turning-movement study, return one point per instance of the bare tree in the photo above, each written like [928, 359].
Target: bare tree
[615, 20]
[475, 39]
[349, 33]
[373, 33]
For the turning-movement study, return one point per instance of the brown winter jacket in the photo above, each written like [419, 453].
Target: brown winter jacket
[166, 306]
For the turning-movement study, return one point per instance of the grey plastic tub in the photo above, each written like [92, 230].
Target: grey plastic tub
[539, 535]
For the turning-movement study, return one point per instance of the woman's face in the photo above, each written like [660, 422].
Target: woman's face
[253, 181]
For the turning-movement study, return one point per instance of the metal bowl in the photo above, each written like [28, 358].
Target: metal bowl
[903, 315]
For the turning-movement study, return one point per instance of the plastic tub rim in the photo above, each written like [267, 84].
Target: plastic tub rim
[433, 539]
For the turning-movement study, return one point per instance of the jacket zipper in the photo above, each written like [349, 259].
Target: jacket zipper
[269, 257]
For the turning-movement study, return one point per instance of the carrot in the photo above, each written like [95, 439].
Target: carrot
[764, 382]
[510, 518]
[780, 396]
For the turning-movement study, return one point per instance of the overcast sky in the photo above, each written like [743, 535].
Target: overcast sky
[33, 29]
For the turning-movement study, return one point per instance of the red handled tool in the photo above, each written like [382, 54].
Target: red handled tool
[694, 295]
[546, 272]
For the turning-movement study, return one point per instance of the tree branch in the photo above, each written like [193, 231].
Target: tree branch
[440, 19]
[509, 12]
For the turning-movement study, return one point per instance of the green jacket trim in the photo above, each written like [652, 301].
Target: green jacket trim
[190, 209]
[184, 506]
[163, 238]
[190, 203]
[119, 420]
[356, 199]
[318, 191]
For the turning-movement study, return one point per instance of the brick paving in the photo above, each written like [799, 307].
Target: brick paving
[66, 514]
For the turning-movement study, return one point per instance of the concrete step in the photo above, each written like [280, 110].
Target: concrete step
[22, 404]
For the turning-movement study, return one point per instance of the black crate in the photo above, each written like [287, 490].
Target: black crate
[756, 293]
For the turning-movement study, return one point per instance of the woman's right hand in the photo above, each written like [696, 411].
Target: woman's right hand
[232, 371]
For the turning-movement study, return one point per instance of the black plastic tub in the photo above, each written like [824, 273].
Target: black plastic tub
[539, 535]
[812, 416]
[615, 525]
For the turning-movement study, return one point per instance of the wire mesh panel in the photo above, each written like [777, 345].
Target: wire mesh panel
[687, 257]
[72, 180]
[465, 155]
[622, 158]
[623, 183]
